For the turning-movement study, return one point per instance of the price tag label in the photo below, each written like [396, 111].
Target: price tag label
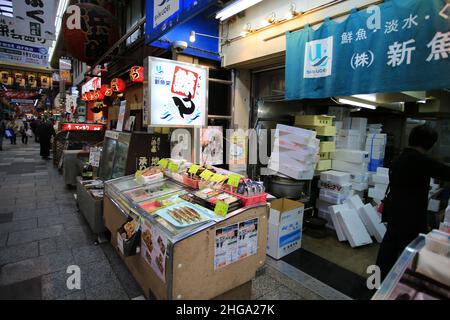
[221, 208]
[163, 163]
[194, 168]
[173, 167]
[217, 177]
[233, 180]
[206, 174]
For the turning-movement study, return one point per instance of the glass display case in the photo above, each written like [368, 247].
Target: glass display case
[124, 152]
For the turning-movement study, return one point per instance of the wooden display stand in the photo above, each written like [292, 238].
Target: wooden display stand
[190, 270]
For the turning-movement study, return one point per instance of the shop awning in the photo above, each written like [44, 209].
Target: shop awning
[400, 45]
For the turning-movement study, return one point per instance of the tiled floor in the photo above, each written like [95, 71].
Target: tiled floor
[42, 235]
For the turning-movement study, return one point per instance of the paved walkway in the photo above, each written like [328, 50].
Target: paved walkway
[42, 234]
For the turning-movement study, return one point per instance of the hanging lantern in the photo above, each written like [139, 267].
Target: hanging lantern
[99, 95]
[108, 92]
[118, 85]
[137, 74]
[91, 96]
[89, 31]
[85, 97]
[103, 89]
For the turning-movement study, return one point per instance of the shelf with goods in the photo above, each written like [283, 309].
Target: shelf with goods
[185, 233]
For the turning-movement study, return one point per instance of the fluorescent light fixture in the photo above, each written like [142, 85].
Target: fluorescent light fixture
[192, 36]
[368, 97]
[422, 101]
[235, 8]
[356, 103]
[35, 102]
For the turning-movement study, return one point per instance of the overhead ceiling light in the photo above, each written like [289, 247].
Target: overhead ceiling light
[292, 11]
[192, 36]
[272, 18]
[422, 101]
[369, 97]
[235, 8]
[356, 103]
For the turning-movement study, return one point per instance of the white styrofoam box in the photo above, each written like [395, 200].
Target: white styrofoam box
[445, 227]
[354, 202]
[283, 129]
[281, 144]
[337, 177]
[376, 154]
[376, 194]
[349, 166]
[285, 227]
[377, 136]
[360, 177]
[380, 179]
[353, 227]
[338, 125]
[355, 123]
[346, 144]
[344, 133]
[336, 187]
[372, 220]
[305, 155]
[433, 205]
[383, 171]
[333, 197]
[374, 144]
[333, 210]
[286, 159]
[358, 186]
[290, 171]
[381, 187]
[355, 156]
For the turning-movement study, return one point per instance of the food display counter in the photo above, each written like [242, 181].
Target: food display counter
[187, 250]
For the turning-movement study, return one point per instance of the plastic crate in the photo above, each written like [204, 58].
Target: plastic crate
[248, 201]
[323, 165]
[327, 146]
[314, 120]
[328, 131]
[325, 156]
[193, 183]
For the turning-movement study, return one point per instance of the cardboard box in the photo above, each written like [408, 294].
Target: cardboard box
[314, 120]
[285, 227]
[354, 156]
[349, 166]
[336, 177]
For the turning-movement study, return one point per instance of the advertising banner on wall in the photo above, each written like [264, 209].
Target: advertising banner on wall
[35, 18]
[176, 93]
[8, 34]
[20, 54]
[399, 45]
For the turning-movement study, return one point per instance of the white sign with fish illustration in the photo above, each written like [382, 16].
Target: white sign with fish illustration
[178, 93]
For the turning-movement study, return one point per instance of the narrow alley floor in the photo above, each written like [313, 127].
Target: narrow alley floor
[42, 234]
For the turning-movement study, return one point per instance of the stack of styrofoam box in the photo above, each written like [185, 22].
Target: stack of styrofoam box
[323, 126]
[348, 223]
[335, 188]
[355, 126]
[324, 129]
[381, 182]
[376, 145]
[352, 161]
[348, 139]
[295, 152]
[360, 183]
[339, 113]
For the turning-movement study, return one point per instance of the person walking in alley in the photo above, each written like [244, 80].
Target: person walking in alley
[13, 128]
[33, 125]
[2, 132]
[24, 132]
[45, 131]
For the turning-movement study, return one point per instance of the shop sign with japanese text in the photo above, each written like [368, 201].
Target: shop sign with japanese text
[8, 34]
[35, 18]
[399, 45]
[20, 54]
[177, 93]
[163, 15]
[81, 126]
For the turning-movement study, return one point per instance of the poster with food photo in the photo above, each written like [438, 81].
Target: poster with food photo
[154, 248]
[226, 246]
[211, 140]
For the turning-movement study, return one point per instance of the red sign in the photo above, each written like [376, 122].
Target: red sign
[81, 126]
[184, 82]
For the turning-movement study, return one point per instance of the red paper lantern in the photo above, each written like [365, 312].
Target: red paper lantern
[85, 97]
[91, 96]
[89, 31]
[103, 89]
[99, 96]
[137, 74]
[118, 85]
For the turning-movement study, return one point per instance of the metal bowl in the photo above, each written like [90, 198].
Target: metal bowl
[282, 187]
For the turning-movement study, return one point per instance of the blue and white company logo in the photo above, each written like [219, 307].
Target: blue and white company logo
[318, 58]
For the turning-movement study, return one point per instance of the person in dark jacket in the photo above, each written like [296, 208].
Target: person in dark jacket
[45, 132]
[405, 207]
[33, 125]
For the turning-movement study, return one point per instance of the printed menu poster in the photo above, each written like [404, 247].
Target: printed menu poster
[153, 249]
[94, 156]
[247, 238]
[235, 242]
[226, 246]
[211, 140]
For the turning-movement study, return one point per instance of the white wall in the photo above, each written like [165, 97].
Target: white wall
[257, 48]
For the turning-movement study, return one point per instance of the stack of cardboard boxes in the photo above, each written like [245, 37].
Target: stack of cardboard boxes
[295, 152]
[376, 145]
[326, 133]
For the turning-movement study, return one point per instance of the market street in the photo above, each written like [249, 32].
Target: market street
[42, 234]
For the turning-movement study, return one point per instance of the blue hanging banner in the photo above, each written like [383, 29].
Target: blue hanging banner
[399, 45]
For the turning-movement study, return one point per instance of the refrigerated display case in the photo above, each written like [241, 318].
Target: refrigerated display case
[204, 258]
